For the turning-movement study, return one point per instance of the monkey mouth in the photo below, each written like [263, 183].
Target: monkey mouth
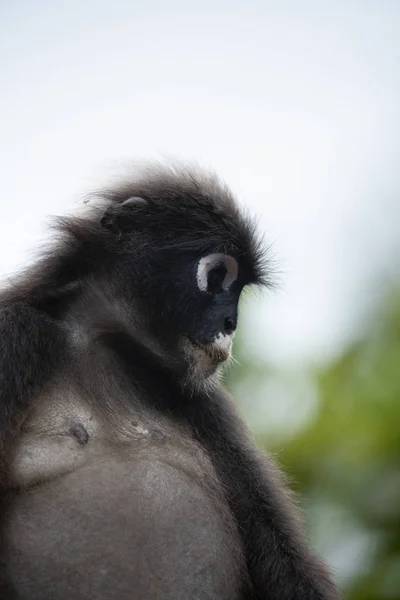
[214, 351]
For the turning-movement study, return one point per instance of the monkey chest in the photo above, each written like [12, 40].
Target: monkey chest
[93, 514]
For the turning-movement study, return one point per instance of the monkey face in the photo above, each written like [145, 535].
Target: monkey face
[206, 309]
[213, 330]
[184, 252]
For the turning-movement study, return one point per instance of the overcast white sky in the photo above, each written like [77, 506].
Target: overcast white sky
[295, 104]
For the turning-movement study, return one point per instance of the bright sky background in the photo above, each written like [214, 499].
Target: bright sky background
[294, 103]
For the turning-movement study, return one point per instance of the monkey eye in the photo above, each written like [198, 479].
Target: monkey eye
[216, 272]
[215, 279]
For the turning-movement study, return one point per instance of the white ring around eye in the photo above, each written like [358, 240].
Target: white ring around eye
[207, 263]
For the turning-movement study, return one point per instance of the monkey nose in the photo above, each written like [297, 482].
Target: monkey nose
[230, 325]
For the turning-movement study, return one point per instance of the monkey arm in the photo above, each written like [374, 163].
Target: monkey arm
[279, 561]
[31, 346]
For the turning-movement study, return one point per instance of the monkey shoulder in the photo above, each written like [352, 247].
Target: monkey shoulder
[33, 345]
[22, 322]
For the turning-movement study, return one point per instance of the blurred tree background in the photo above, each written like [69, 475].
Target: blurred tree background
[335, 429]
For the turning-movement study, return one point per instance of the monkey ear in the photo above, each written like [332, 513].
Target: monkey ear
[119, 218]
[134, 201]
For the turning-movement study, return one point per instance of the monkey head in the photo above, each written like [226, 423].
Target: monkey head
[186, 252]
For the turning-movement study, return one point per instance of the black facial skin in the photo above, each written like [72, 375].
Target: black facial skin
[125, 471]
[217, 315]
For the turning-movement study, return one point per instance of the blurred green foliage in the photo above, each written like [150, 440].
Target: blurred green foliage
[342, 451]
